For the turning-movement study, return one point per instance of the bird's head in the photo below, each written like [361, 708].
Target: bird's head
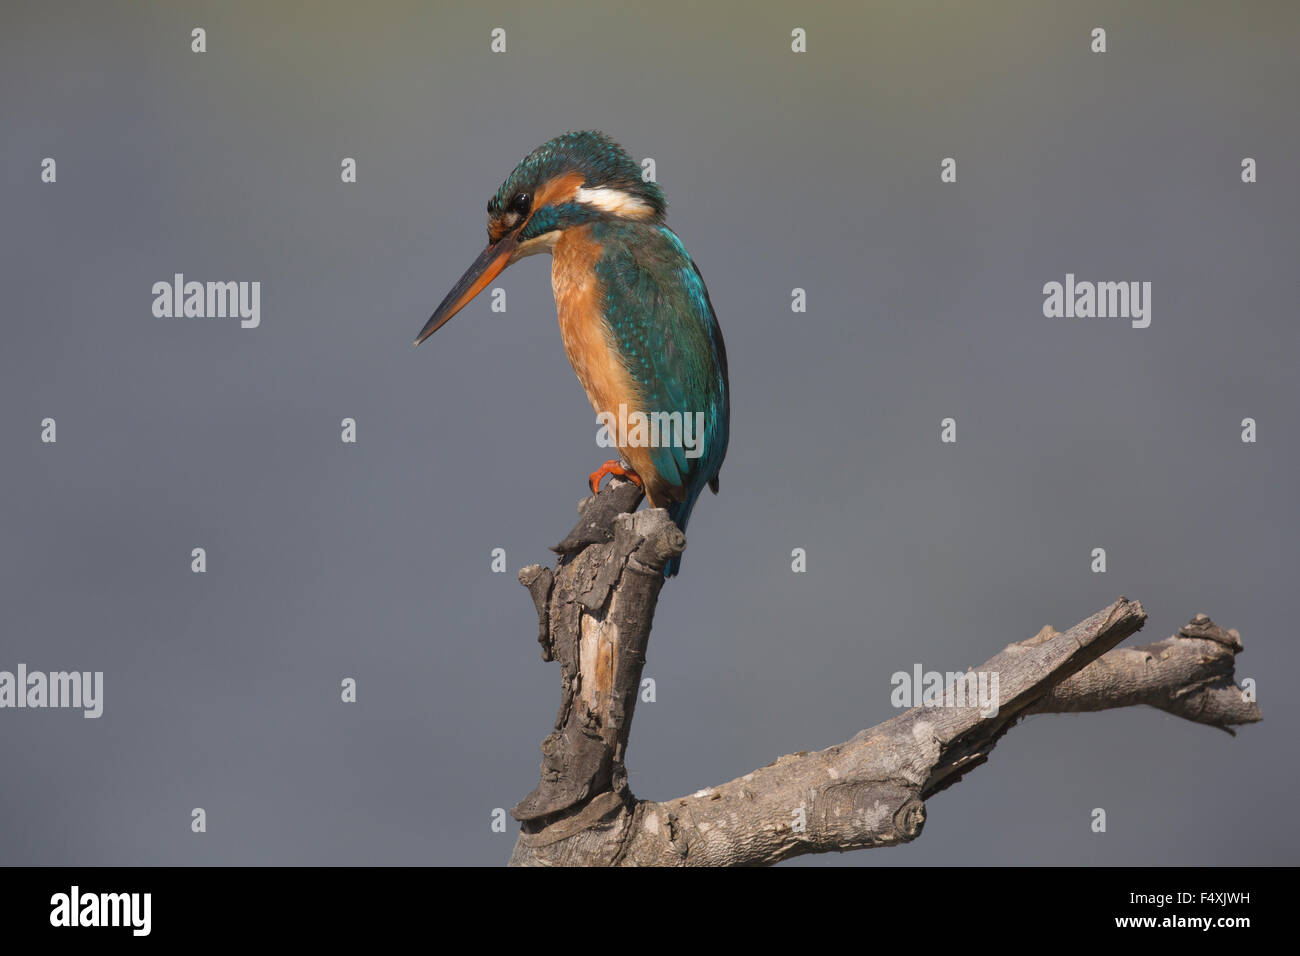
[573, 180]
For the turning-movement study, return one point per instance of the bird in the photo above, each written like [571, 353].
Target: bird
[634, 313]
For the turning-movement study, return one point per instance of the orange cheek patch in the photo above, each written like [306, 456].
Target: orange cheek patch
[560, 189]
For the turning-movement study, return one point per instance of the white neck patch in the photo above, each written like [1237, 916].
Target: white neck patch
[608, 199]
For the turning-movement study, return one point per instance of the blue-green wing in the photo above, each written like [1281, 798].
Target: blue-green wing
[658, 309]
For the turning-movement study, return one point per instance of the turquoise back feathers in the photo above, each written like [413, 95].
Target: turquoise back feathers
[658, 312]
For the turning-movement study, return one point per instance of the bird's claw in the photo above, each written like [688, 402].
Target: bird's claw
[613, 467]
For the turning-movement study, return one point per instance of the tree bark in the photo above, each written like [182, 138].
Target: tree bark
[595, 611]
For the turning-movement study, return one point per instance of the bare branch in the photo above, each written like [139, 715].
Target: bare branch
[1190, 675]
[595, 615]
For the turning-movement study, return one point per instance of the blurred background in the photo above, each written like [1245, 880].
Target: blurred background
[817, 170]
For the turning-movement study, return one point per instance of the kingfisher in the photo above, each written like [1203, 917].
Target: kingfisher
[635, 316]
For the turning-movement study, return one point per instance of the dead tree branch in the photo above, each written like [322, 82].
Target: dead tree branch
[595, 610]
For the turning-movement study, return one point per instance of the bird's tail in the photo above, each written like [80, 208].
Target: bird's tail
[680, 512]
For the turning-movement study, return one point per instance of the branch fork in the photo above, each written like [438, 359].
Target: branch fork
[595, 609]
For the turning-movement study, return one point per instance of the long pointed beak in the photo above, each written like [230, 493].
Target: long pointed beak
[489, 264]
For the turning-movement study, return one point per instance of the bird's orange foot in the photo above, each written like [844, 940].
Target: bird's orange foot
[613, 467]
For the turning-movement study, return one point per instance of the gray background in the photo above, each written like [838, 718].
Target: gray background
[818, 170]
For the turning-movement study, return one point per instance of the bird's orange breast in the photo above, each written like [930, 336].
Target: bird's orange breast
[588, 345]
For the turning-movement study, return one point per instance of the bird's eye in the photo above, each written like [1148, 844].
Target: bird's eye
[521, 203]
